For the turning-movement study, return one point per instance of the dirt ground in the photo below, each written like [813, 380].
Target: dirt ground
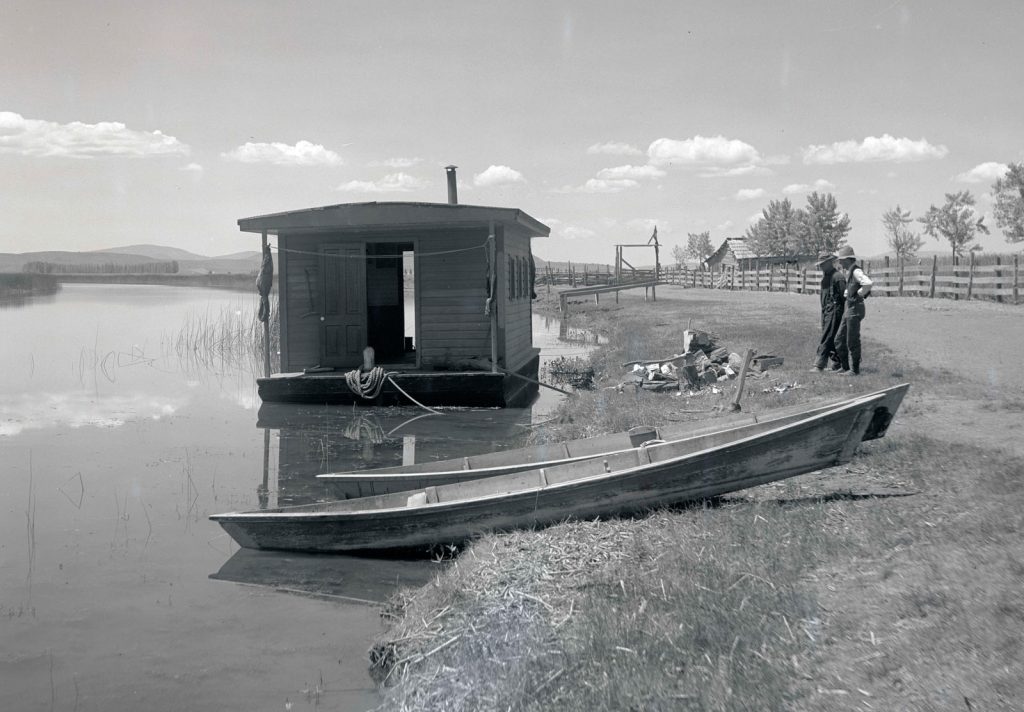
[929, 614]
[975, 349]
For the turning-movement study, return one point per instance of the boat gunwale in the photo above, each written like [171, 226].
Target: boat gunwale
[376, 475]
[296, 513]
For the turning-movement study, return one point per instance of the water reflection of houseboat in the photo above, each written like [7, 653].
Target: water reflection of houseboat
[314, 439]
[341, 270]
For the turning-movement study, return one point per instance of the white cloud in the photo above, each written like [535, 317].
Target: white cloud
[873, 149]
[498, 175]
[36, 137]
[303, 153]
[614, 148]
[750, 193]
[630, 172]
[193, 168]
[703, 151]
[597, 185]
[724, 227]
[575, 232]
[391, 183]
[821, 186]
[398, 163]
[983, 173]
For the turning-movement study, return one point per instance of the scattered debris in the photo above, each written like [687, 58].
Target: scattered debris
[702, 364]
[782, 387]
[574, 371]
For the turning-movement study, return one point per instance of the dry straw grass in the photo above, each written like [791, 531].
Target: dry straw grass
[693, 609]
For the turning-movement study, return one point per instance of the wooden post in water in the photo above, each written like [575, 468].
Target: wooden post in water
[935, 267]
[266, 326]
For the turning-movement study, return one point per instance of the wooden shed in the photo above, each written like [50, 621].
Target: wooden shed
[440, 291]
[733, 252]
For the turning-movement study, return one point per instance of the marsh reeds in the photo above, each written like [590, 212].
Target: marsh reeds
[231, 337]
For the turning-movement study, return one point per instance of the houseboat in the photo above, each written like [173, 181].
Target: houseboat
[401, 302]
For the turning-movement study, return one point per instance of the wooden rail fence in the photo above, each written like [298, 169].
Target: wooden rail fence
[997, 282]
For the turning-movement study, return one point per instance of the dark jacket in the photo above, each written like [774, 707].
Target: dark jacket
[833, 294]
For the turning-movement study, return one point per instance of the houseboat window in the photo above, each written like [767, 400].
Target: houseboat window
[511, 278]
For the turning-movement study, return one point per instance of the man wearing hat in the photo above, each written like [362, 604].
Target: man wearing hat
[833, 301]
[858, 286]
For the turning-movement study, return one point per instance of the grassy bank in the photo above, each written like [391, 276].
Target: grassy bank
[892, 583]
[16, 285]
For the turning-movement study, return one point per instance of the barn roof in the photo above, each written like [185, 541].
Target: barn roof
[739, 247]
[354, 216]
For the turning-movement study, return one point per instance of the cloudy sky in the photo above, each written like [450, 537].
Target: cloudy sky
[147, 122]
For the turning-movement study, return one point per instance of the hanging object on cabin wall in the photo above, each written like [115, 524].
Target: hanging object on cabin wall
[264, 281]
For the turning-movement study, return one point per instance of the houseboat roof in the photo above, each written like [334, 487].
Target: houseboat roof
[355, 216]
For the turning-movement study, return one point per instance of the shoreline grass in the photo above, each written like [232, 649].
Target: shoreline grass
[894, 582]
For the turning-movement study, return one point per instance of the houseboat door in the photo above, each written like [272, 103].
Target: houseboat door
[343, 318]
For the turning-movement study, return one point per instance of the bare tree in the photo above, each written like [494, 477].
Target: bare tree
[698, 246]
[955, 221]
[679, 255]
[902, 240]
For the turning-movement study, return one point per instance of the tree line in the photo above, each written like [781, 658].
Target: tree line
[42, 267]
[820, 227]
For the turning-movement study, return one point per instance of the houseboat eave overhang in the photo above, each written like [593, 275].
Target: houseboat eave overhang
[373, 216]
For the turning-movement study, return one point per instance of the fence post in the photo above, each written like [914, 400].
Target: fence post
[786, 283]
[887, 276]
[732, 278]
[1016, 281]
[803, 281]
[935, 267]
[999, 275]
[970, 278]
[900, 265]
[771, 277]
[757, 276]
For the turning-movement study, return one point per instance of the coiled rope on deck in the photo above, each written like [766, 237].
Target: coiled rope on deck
[366, 385]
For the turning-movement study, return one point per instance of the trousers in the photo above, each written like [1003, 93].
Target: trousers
[848, 337]
[831, 320]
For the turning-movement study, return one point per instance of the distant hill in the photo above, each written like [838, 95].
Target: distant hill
[155, 252]
[188, 262]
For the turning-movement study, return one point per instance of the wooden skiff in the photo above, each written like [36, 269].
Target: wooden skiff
[624, 482]
[385, 480]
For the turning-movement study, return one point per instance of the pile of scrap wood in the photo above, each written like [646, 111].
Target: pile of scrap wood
[702, 363]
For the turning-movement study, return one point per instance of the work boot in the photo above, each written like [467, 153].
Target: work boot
[847, 372]
[817, 369]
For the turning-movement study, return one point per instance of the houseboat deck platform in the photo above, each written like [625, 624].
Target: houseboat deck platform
[481, 389]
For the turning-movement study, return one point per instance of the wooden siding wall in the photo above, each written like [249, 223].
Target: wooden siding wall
[518, 317]
[451, 267]
[300, 331]
[451, 271]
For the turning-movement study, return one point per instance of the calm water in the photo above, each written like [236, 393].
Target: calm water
[116, 591]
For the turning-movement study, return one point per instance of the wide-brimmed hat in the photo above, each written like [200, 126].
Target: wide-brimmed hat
[846, 253]
[823, 258]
